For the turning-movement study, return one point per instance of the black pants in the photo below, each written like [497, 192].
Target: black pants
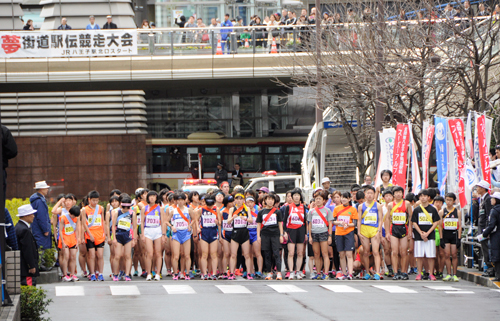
[486, 253]
[336, 257]
[271, 248]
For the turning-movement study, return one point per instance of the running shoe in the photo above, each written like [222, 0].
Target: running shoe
[222, 277]
[92, 278]
[290, 276]
[299, 275]
[415, 270]
[455, 278]
[157, 277]
[287, 275]
[439, 275]
[303, 273]
[115, 278]
[187, 278]
[258, 275]
[376, 277]
[316, 277]
[340, 276]
[121, 275]
[144, 274]
[405, 277]
[419, 277]
[432, 277]
[175, 277]
[204, 277]
[313, 275]
[169, 273]
[231, 277]
[390, 272]
[447, 278]
[324, 277]
[182, 276]
[269, 276]
[153, 274]
[192, 275]
[101, 277]
[149, 277]
[245, 275]
[237, 272]
[214, 278]
[367, 277]
[127, 278]
[278, 276]
[136, 273]
[75, 278]
[66, 278]
[426, 276]
[349, 277]
[250, 277]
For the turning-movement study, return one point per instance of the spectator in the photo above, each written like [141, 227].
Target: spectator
[214, 24]
[182, 21]
[284, 16]
[10, 232]
[27, 245]
[237, 175]
[239, 22]
[92, 25]
[325, 182]
[201, 35]
[220, 174]
[64, 25]
[153, 25]
[41, 225]
[312, 18]
[195, 172]
[449, 12]
[225, 33]
[368, 181]
[145, 24]
[244, 37]
[29, 25]
[190, 37]
[482, 11]
[109, 23]
[260, 33]
[292, 19]
[484, 212]
[9, 151]
[367, 15]
[252, 20]
[351, 16]
[468, 11]
[493, 231]
[337, 18]
[273, 31]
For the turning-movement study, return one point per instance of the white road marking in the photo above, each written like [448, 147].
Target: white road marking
[179, 289]
[70, 291]
[459, 292]
[340, 288]
[442, 288]
[394, 289]
[286, 288]
[124, 290]
[232, 289]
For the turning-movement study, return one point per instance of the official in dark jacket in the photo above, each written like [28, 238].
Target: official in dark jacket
[41, 226]
[493, 232]
[9, 151]
[220, 174]
[237, 175]
[484, 212]
[10, 232]
[109, 24]
[27, 245]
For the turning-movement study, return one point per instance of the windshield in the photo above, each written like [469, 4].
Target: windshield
[201, 189]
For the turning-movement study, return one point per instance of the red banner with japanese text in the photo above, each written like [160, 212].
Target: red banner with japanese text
[400, 155]
[483, 148]
[457, 133]
[426, 144]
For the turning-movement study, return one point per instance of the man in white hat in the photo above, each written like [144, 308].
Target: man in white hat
[325, 182]
[41, 226]
[27, 245]
[109, 23]
[484, 213]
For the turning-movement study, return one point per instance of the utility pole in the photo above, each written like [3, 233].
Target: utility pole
[379, 107]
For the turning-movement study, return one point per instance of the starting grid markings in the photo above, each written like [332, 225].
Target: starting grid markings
[133, 290]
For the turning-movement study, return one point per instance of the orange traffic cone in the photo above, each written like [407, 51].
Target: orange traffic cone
[247, 45]
[273, 47]
[219, 48]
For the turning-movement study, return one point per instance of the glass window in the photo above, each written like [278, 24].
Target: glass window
[284, 185]
[169, 159]
[252, 149]
[212, 150]
[192, 150]
[233, 149]
[248, 163]
[260, 184]
[294, 149]
[283, 163]
[274, 149]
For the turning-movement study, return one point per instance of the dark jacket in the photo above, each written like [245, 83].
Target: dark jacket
[240, 175]
[220, 176]
[11, 238]
[109, 26]
[41, 224]
[64, 27]
[493, 231]
[28, 248]
[484, 212]
[9, 147]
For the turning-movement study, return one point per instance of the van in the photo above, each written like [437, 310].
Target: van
[280, 184]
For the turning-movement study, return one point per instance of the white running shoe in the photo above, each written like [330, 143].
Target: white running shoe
[291, 276]
[313, 274]
[67, 278]
[301, 275]
[149, 277]
[157, 277]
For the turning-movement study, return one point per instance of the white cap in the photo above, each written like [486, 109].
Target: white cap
[40, 185]
[109, 17]
[496, 195]
[317, 189]
[325, 179]
[484, 184]
[25, 210]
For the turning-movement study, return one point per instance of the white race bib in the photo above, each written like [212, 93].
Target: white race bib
[399, 218]
[296, 219]
[239, 222]
[124, 224]
[273, 220]
[152, 221]
[227, 227]
[98, 221]
[181, 224]
[68, 229]
[451, 224]
[422, 219]
[318, 222]
[209, 220]
[370, 219]
[344, 219]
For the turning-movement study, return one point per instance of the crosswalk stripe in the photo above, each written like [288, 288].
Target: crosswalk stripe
[286, 288]
[70, 291]
[496, 290]
[179, 289]
[394, 289]
[459, 292]
[232, 289]
[124, 290]
[340, 288]
[442, 288]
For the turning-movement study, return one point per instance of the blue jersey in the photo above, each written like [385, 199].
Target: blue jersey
[371, 218]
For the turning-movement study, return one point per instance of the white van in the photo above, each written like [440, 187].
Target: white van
[280, 184]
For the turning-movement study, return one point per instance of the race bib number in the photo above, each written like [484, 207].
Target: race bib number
[370, 219]
[98, 221]
[273, 220]
[124, 224]
[152, 221]
[209, 221]
[68, 229]
[227, 227]
[399, 218]
[138, 220]
[344, 219]
[451, 224]
[240, 222]
[181, 224]
[318, 222]
[296, 219]
[422, 219]
[252, 225]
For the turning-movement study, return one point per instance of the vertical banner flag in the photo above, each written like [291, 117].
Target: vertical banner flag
[483, 148]
[489, 126]
[477, 155]
[457, 133]
[441, 127]
[400, 155]
[427, 135]
[452, 180]
[415, 169]
[387, 137]
[469, 143]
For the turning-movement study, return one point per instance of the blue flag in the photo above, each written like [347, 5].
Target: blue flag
[441, 152]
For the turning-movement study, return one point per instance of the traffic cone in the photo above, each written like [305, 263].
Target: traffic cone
[273, 47]
[219, 48]
[247, 45]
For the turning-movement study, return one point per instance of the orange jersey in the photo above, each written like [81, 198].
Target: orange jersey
[68, 230]
[344, 214]
[95, 225]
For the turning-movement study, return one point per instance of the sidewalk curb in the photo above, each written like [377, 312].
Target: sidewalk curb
[477, 278]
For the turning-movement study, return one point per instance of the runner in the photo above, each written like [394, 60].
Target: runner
[82, 245]
[386, 176]
[333, 252]
[388, 197]
[255, 246]
[152, 236]
[450, 235]
[181, 220]
[92, 216]
[239, 216]
[68, 236]
[410, 197]
[55, 227]
[138, 254]
[345, 217]
[295, 232]
[167, 246]
[63, 205]
[209, 221]
[270, 234]
[370, 230]
[225, 234]
[320, 229]
[425, 218]
[439, 260]
[113, 204]
[397, 223]
[124, 230]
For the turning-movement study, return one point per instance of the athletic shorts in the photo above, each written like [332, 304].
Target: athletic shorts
[438, 238]
[181, 236]
[297, 236]
[240, 236]
[383, 231]
[449, 237]
[425, 249]
[226, 235]
[270, 242]
[368, 231]
[399, 231]
[139, 229]
[345, 242]
[253, 235]
[320, 237]
[169, 231]
[123, 237]
[152, 233]
[209, 234]
[91, 245]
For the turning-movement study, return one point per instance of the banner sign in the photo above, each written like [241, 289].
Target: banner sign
[400, 156]
[469, 143]
[68, 43]
[452, 180]
[457, 133]
[427, 135]
[387, 137]
[441, 126]
[483, 148]
[415, 168]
